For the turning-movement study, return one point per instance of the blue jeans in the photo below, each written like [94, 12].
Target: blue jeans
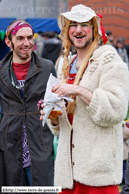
[27, 176]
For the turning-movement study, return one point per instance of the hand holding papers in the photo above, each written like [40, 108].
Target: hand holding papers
[51, 99]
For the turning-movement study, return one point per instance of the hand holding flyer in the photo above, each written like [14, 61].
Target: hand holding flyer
[51, 99]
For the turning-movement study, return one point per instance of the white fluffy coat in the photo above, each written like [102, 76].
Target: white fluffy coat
[97, 128]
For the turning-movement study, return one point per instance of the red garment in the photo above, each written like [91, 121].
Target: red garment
[21, 70]
[71, 81]
[84, 189]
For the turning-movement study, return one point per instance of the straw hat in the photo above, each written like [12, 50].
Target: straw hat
[78, 13]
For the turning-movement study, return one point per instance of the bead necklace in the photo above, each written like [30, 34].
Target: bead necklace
[12, 80]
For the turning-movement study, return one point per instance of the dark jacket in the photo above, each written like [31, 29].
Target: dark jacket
[51, 49]
[15, 112]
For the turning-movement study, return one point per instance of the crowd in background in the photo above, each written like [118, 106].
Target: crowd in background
[49, 46]
[121, 47]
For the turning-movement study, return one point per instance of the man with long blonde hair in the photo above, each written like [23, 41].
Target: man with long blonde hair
[89, 153]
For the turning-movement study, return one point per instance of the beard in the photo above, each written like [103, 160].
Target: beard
[22, 57]
[12, 45]
[84, 46]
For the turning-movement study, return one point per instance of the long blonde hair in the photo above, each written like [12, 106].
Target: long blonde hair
[96, 40]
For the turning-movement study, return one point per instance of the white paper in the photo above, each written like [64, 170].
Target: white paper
[50, 98]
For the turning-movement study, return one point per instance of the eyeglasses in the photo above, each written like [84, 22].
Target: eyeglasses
[83, 25]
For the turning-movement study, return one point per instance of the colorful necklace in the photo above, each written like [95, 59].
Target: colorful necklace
[12, 80]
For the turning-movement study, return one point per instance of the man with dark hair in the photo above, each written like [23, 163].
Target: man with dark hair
[109, 37]
[120, 47]
[25, 146]
[52, 47]
[89, 154]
